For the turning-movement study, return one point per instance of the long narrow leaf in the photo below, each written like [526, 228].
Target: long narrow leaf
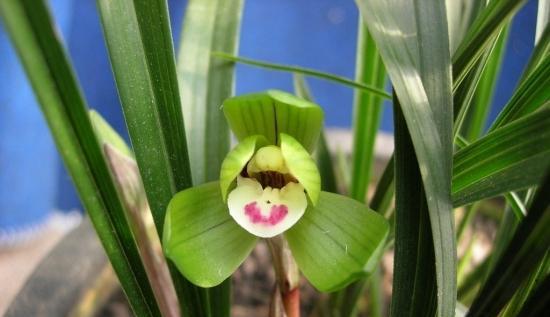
[367, 112]
[483, 96]
[523, 254]
[304, 71]
[531, 94]
[540, 53]
[44, 58]
[538, 303]
[417, 58]
[510, 158]
[543, 16]
[528, 289]
[142, 57]
[205, 82]
[485, 27]
[414, 284]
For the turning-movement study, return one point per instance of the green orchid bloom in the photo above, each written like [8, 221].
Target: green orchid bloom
[270, 185]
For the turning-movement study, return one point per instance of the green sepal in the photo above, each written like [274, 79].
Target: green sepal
[236, 160]
[272, 112]
[201, 238]
[337, 241]
[301, 165]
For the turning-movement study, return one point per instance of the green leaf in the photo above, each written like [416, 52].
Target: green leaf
[236, 160]
[480, 34]
[523, 254]
[202, 239]
[417, 59]
[527, 290]
[107, 135]
[543, 16]
[274, 112]
[367, 112]
[537, 303]
[337, 241]
[477, 116]
[44, 58]
[322, 155]
[540, 53]
[382, 198]
[139, 43]
[205, 82]
[414, 283]
[301, 166]
[304, 71]
[510, 158]
[532, 94]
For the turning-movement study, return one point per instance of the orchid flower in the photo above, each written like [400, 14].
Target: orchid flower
[270, 185]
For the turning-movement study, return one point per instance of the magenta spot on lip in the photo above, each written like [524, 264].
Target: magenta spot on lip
[277, 214]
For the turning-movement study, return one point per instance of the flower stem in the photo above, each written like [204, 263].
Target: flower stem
[287, 275]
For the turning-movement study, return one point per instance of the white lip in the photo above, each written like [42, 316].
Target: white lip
[249, 192]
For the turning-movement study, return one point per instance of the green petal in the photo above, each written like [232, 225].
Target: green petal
[273, 112]
[201, 238]
[301, 166]
[236, 160]
[337, 241]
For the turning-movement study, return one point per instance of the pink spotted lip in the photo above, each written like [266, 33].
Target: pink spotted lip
[276, 215]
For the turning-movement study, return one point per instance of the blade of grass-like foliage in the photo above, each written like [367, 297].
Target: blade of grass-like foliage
[543, 15]
[367, 112]
[507, 226]
[323, 156]
[205, 82]
[485, 27]
[304, 71]
[460, 16]
[471, 282]
[476, 117]
[381, 200]
[414, 283]
[523, 254]
[467, 88]
[538, 302]
[142, 57]
[464, 94]
[540, 53]
[510, 158]
[527, 289]
[44, 58]
[512, 198]
[415, 51]
[531, 94]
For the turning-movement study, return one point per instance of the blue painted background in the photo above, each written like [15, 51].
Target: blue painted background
[320, 34]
